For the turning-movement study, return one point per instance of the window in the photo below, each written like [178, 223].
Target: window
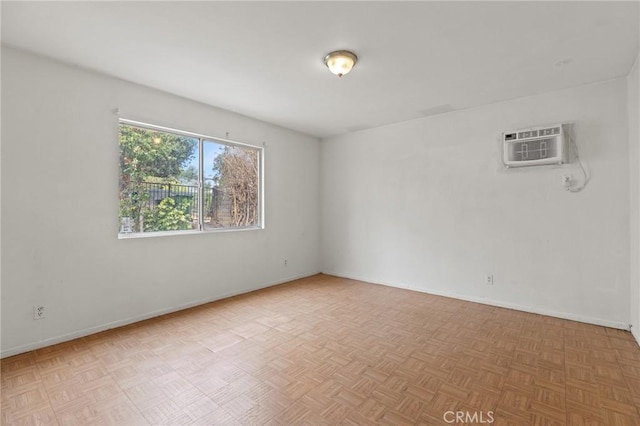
[177, 181]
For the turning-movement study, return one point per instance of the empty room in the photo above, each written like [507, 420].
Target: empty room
[320, 213]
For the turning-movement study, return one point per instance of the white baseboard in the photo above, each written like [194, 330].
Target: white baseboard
[92, 330]
[497, 303]
[636, 334]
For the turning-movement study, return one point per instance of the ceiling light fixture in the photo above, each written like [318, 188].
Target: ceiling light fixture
[340, 62]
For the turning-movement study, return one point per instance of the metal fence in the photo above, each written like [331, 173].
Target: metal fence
[156, 192]
[217, 204]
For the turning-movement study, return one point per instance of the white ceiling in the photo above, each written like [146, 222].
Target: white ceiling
[264, 59]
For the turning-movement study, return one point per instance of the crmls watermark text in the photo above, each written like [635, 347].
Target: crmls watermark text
[467, 417]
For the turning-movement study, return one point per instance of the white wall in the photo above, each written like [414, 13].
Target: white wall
[633, 89]
[426, 204]
[423, 204]
[60, 192]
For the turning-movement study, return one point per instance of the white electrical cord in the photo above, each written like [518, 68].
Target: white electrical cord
[572, 142]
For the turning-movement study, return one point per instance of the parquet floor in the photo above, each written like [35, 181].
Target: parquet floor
[326, 350]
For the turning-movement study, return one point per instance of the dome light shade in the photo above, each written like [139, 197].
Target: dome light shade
[340, 62]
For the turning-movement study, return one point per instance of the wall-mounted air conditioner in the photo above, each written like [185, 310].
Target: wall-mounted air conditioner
[534, 146]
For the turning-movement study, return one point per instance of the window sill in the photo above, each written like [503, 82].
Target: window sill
[188, 232]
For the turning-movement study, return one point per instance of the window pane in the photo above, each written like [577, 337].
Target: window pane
[231, 186]
[158, 181]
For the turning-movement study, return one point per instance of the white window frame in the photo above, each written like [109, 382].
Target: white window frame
[201, 139]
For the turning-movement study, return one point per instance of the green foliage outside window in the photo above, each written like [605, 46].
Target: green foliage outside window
[168, 216]
[150, 156]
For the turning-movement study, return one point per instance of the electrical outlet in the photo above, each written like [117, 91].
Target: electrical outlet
[38, 312]
[566, 181]
[489, 280]
[285, 262]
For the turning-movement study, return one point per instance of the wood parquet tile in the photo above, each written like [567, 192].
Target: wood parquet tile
[331, 351]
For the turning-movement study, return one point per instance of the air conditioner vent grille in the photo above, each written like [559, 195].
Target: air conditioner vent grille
[535, 149]
[534, 146]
